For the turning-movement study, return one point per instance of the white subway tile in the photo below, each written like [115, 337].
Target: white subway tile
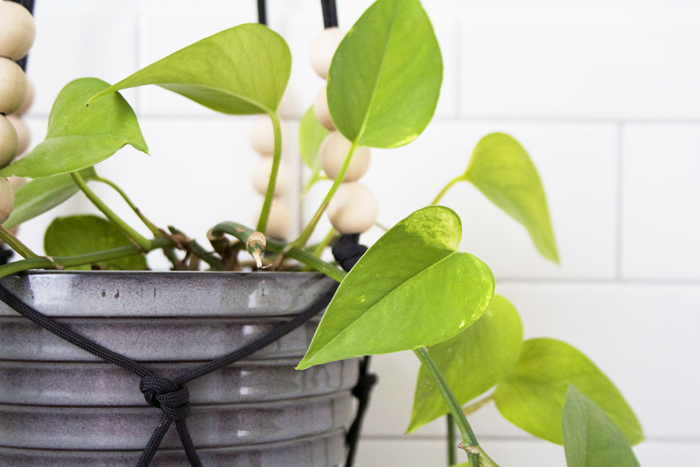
[610, 61]
[78, 39]
[660, 214]
[578, 168]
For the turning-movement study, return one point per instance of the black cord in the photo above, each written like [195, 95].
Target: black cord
[330, 14]
[262, 12]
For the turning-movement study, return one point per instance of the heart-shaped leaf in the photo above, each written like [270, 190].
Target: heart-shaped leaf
[471, 362]
[241, 71]
[43, 194]
[501, 169]
[311, 135]
[411, 289]
[591, 439]
[532, 397]
[78, 235]
[78, 136]
[385, 77]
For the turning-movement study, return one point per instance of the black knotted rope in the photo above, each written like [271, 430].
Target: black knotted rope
[169, 395]
[347, 252]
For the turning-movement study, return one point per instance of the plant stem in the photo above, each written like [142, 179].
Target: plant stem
[324, 243]
[242, 233]
[447, 187]
[276, 158]
[470, 409]
[451, 448]
[14, 243]
[199, 251]
[306, 234]
[81, 260]
[468, 437]
[136, 237]
[154, 230]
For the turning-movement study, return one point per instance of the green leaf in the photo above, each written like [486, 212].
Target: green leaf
[503, 171]
[591, 439]
[43, 194]
[532, 397]
[385, 77]
[78, 136]
[471, 362]
[239, 71]
[411, 289]
[311, 135]
[78, 235]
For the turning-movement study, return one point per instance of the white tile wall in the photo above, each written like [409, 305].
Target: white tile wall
[604, 95]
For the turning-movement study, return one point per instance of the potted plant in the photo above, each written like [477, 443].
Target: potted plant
[412, 290]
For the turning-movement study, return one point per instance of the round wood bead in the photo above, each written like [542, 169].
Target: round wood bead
[353, 208]
[280, 221]
[8, 141]
[262, 136]
[17, 30]
[323, 115]
[28, 100]
[332, 154]
[7, 199]
[13, 86]
[322, 49]
[23, 134]
[261, 176]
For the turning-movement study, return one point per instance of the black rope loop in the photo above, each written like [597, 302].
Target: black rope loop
[166, 395]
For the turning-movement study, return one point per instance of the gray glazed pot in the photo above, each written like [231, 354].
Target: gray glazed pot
[60, 406]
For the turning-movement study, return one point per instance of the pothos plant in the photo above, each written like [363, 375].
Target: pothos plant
[412, 290]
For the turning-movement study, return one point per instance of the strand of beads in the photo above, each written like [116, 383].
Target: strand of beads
[17, 33]
[353, 208]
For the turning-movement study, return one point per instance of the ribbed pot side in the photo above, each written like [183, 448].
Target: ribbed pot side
[61, 407]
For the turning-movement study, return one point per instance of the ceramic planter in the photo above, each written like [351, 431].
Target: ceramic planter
[60, 406]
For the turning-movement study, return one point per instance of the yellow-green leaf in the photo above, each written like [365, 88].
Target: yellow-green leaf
[502, 170]
[591, 439]
[240, 71]
[78, 136]
[471, 362]
[532, 397]
[385, 77]
[412, 288]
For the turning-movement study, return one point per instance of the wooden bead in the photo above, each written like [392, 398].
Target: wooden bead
[28, 100]
[353, 209]
[332, 154]
[23, 134]
[322, 49]
[262, 136]
[7, 199]
[261, 177]
[8, 142]
[323, 115]
[280, 221]
[13, 86]
[17, 30]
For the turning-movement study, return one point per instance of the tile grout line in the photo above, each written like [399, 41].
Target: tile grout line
[619, 201]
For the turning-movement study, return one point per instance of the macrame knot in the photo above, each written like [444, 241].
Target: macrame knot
[347, 252]
[168, 396]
